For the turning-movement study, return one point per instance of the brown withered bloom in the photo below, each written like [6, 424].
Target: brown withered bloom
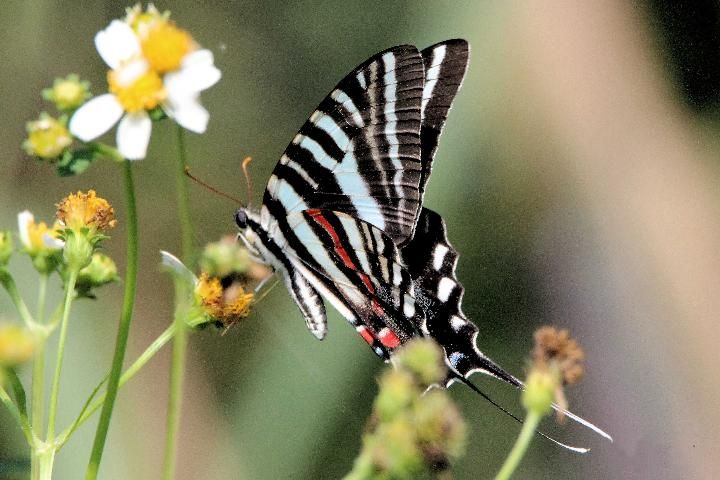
[555, 345]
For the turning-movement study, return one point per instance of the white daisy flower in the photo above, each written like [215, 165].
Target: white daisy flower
[159, 67]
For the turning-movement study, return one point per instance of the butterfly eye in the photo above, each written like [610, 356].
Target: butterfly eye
[241, 218]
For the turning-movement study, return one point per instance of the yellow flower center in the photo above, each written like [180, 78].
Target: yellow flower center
[86, 210]
[165, 46]
[36, 235]
[136, 89]
[227, 306]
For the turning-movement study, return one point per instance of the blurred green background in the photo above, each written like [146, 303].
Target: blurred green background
[578, 175]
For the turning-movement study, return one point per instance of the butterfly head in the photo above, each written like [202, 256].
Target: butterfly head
[241, 218]
[247, 222]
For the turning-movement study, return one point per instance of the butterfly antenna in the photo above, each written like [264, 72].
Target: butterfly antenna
[514, 417]
[245, 164]
[209, 187]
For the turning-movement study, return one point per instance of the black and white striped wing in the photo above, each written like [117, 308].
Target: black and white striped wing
[431, 261]
[359, 152]
[445, 67]
[358, 268]
[367, 149]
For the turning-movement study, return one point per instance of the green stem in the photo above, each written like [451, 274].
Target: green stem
[183, 201]
[177, 370]
[37, 403]
[518, 451]
[123, 328]
[9, 284]
[17, 408]
[69, 293]
[177, 365]
[37, 407]
[143, 359]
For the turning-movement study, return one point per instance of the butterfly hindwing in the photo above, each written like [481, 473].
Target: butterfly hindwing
[361, 265]
[431, 262]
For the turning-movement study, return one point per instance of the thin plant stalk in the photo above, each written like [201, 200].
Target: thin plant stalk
[179, 353]
[37, 404]
[521, 444]
[7, 281]
[131, 371]
[124, 327]
[55, 389]
[177, 370]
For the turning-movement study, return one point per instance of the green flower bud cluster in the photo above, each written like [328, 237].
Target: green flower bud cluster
[411, 432]
[224, 258]
[100, 271]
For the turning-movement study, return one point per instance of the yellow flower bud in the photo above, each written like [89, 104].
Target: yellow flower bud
[16, 345]
[47, 137]
[68, 93]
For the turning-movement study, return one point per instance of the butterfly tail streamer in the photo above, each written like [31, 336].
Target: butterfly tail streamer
[474, 388]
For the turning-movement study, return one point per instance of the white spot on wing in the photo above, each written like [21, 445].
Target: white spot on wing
[457, 323]
[439, 255]
[445, 288]
[409, 306]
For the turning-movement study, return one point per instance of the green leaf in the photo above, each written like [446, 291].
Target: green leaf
[77, 161]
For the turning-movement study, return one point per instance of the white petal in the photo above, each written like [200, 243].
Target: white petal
[198, 58]
[117, 43]
[189, 114]
[52, 242]
[133, 135]
[96, 117]
[188, 82]
[177, 268]
[25, 218]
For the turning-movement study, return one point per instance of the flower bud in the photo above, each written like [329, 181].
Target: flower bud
[47, 137]
[224, 258]
[101, 271]
[85, 217]
[6, 248]
[78, 250]
[16, 345]
[423, 358]
[540, 388]
[397, 392]
[68, 93]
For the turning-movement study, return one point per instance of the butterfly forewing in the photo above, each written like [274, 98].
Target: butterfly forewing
[359, 153]
[445, 67]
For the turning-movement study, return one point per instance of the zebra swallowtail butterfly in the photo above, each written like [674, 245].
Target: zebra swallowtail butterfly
[342, 214]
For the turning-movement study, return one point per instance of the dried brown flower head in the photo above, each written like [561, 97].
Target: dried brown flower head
[555, 345]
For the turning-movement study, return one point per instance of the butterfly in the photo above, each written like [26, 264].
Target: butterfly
[342, 217]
